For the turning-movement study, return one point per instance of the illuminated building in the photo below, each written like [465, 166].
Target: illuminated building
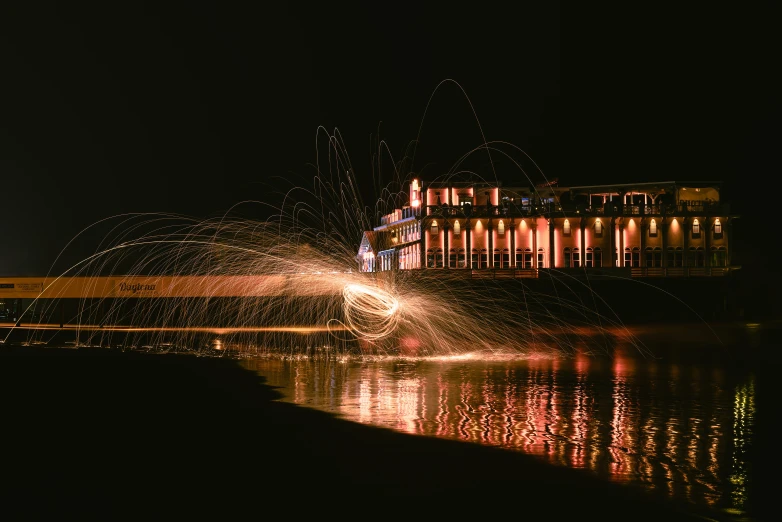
[662, 229]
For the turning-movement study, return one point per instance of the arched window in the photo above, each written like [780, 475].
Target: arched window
[541, 258]
[452, 259]
[484, 258]
[501, 228]
[675, 259]
[506, 258]
[430, 258]
[633, 257]
[497, 263]
[717, 228]
[439, 257]
[457, 228]
[576, 258]
[654, 257]
[719, 256]
[461, 262]
[434, 228]
[589, 260]
[696, 227]
[566, 227]
[695, 257]
[598, 257]
[598, 228]
[653, 228]
[519, 258]
[566, 257]
[527, 258]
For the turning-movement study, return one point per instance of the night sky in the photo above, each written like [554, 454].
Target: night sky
[190, 108]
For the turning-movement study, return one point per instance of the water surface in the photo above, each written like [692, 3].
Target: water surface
[682, 421]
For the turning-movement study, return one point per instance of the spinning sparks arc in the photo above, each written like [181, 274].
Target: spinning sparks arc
[370, 313]
[289, 282]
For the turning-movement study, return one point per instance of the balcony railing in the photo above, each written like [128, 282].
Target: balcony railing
[486, 211]
[685, 209]
[621, 272]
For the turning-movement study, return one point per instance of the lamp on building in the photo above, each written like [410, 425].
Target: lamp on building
[433, 229]
[457, 228]
[501, 228]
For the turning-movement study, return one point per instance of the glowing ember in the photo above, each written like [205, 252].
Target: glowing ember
[370, 313]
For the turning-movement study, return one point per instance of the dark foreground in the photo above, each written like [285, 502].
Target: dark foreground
[98, 433]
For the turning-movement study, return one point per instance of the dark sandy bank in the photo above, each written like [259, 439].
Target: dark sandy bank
[96, 433]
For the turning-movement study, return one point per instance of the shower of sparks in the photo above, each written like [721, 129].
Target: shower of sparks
[300, 286]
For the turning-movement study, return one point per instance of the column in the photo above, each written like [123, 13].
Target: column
[534, 231]
[612, 241]
[551, 256]
[707, 242]
[468, 252]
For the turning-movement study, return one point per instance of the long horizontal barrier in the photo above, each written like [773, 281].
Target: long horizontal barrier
[170, 286]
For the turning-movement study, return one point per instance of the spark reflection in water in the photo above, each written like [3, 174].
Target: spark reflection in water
[678, 430]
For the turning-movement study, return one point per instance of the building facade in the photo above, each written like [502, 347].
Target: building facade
[660, 229]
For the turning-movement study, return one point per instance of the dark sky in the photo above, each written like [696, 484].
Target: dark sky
[192, 107]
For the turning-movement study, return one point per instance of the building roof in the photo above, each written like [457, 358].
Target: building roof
[373, 241]
[655, 186]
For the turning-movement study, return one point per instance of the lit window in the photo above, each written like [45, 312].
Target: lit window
[566, 227]
[717, 226]
[434, 228]
[457, 228]
[653, 228]
[501, 228]
[696, 227]
[598, 227]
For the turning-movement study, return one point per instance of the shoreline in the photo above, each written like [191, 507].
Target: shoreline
[108, 432]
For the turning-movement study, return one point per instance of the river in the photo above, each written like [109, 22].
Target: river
[676, 408]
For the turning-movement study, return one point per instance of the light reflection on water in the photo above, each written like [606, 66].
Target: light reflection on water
[675, 427]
